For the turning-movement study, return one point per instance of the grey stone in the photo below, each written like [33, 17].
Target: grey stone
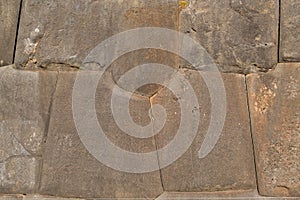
[41, 197]
[9, 14]
[274, 100]
[11, 197]
[230, 165]
[25, 101]
[66, 31]
[289, 30]
[70, 170]
[34, 197]
[19, 174]
[24, 110]
[233, 194]
[241, 36]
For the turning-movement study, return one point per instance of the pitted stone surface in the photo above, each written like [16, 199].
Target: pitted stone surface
[240, 35]
[289, 30]
[9, 14]
[230, 165]
[274, 100]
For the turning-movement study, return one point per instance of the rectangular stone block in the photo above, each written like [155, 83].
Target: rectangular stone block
[274, 100]
[241, 36]
[230, 164]
[71, 170]
[289, 30]
[25, 101]
[9, 15]
[66, 31]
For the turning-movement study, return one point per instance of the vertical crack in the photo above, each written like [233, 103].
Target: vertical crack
[279, 34]
[156, 146]
[17, 31]
[46, 130]
[251, 131]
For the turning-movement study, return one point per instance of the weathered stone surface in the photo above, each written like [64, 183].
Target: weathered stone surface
[24, 109]
[25, 100]
[66, 31]
[19, 174]
[40, 197]
[241, 36]
[289, 30]
[230, 165]
[11, 197]
[245, 195]
[234, 194]
[34, 197]
[275, 115]
[70, 170]
[9, 14]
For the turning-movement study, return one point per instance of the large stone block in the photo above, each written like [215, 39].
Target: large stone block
[25, 101]
[70, 170]
[241, 36]
[66, 31]
[9, 15]
[230, 165]
[289, 30]
[274, 100]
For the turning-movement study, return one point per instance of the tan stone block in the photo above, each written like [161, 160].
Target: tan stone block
[230, 165]
[274, 100]
[70, 170]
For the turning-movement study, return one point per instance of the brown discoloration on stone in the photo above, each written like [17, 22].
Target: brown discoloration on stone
[264, 98]
[9, 12]
[241, 36]
[276, 130]
[289, 30]
[230, 165]
[70, 170]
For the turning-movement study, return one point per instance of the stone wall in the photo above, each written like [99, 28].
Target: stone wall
[254, 44]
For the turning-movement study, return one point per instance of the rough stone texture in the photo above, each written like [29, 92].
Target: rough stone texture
[231, 164]
[69, 169]
[34, 197]
[66, 31]
[245, 195]
[40, 197]
[289, 30]
[240, 35]
[19, 174]
[11, 197]
[25, 100]
[275, 114]
[238, 194]
[9, 14]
